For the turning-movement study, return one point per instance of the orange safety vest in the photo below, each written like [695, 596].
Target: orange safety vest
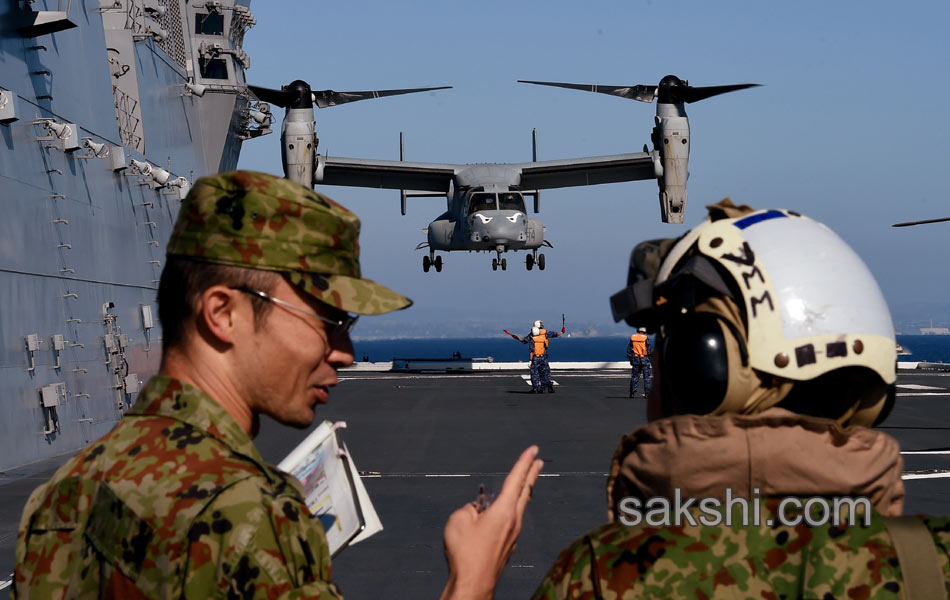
[639, 343]
[540, 345]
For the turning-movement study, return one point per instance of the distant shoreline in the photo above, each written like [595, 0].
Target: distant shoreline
[578, 347]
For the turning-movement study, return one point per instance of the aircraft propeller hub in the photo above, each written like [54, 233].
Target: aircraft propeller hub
[671, 81]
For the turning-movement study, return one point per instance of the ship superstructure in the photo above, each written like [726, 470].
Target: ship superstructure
[109, 110]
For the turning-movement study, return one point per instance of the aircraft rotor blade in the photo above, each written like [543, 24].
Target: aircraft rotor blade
[695, 94]
[643, 93]
[326, 98]
[296, 94]
[909, 223]
[671, 89]
[280, 98]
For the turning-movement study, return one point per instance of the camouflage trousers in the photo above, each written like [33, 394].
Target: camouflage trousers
[540, 373]
[641, 364]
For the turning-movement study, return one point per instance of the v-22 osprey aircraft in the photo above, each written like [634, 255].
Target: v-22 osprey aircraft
[485, 202]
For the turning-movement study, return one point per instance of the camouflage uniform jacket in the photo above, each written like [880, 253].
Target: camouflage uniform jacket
[850, 562]
[752, 555]
[175, 502]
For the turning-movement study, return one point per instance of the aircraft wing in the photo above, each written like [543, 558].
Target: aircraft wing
[386, 174]
[586, 171]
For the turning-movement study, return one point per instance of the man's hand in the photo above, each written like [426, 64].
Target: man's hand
[478, 545]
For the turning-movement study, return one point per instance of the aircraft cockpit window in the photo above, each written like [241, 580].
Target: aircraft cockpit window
[511, 201]
[482, 201]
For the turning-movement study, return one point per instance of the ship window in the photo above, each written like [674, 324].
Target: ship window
[511, 201]
[209, 24]
[481, 201]
[216, 68]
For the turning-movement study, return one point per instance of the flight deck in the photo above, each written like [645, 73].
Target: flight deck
[425, 442]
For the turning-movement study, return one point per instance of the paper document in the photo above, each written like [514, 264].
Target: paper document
[332, 487]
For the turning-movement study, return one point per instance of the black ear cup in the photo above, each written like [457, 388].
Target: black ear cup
[888, 404]
[694, 363]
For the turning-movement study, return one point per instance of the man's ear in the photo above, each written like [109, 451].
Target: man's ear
[219, 314]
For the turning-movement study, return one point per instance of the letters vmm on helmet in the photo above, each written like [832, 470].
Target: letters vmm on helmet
[259, 221]
[805, 304]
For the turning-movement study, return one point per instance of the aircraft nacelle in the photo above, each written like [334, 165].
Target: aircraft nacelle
[440, 233]
[298, 145]
[671, 141]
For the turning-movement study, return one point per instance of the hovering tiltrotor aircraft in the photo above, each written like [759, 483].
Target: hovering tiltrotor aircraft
[486, 210]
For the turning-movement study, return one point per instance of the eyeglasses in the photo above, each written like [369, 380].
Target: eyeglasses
[335, 329]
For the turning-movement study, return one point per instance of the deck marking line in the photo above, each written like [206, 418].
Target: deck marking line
[469, 375]
[447, 475]
[6, 583]
[918, 394]
[917, 386]
[527, 379]
[927, 452]
[944, 475]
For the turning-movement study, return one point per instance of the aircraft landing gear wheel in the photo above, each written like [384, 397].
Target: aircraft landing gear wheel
[504, 264]
[541, 261]
[494, 264]
[437, 263]
[426, 263]
[529, 261]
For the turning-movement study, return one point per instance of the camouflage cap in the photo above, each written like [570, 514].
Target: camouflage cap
[259, 221]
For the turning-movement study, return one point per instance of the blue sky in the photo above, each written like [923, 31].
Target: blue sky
[850, 128]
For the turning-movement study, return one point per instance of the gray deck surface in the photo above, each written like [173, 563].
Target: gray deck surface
[428, 441]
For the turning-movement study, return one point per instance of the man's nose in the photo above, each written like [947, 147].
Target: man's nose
[341, 351]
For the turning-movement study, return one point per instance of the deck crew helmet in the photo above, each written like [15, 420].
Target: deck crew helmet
[538, 324]
[762, 308]
[535, 330]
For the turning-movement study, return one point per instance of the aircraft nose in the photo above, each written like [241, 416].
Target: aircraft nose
[510, 225]
[497, 225]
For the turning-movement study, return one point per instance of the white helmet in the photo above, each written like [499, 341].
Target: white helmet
[535, 330]
[807, 303]
[538, 324]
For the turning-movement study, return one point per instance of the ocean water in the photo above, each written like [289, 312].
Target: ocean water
[935, 348]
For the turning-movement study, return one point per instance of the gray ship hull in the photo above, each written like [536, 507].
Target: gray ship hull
[85, 225]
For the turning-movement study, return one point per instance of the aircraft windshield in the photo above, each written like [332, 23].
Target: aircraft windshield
[481, 201]
[511, 201]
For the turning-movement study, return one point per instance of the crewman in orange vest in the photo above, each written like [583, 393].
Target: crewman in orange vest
[638, 353]
[540, 369]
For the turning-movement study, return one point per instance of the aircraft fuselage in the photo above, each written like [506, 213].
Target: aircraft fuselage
[485, 218]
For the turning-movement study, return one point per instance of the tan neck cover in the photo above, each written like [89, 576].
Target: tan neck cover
[779, 452]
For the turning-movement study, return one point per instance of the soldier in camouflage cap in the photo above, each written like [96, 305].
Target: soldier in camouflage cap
[175, 501]
[775, 355]
[259, 221]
